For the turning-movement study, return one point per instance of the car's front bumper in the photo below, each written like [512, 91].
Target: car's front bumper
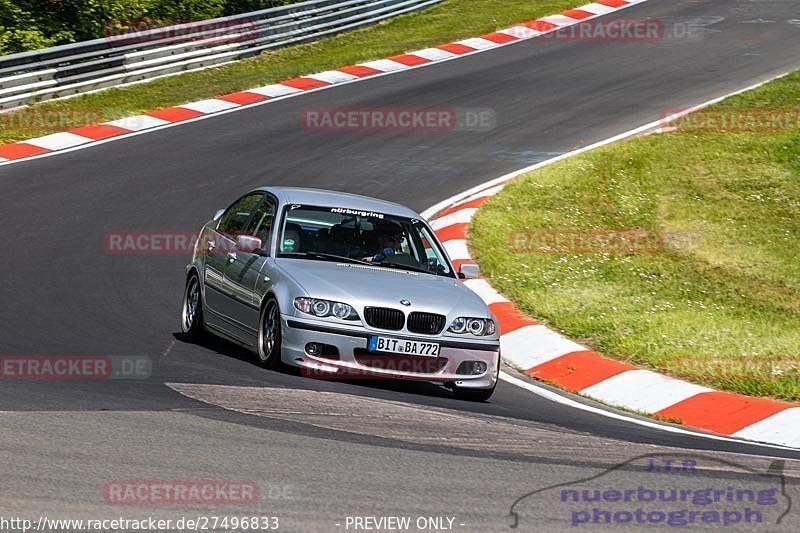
[353, 360]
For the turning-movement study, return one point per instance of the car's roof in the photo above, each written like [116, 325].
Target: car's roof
[320, 197]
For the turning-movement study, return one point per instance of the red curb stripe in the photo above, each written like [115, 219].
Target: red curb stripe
[613, 3]
[360, 71]
[410, 60]
[20, 150]
[499, 38]
[456, 48]
[98, 132]
[305, 84]
[509, 318]
[175, 114]
[540, 25]
[722, 412]
[456, 231]
[477, 202]
[577, 370]
[577, 14]
[243, 98]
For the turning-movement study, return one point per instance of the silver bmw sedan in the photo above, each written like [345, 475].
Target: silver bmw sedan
[340, 285]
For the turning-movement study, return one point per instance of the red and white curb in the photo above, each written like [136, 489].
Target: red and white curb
[89, 135]
[540, 352]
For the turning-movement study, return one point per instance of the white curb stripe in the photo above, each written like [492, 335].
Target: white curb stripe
[456, 249]
[332, 76]
[478, 43]
[487, 293]
[434, 54]
[531, 346]
[643, 391]
[462, 216]
[482, 194]
[209, 106]
[782, 427]
[560, 20]
[597, 9]
[521, 32]
[58, 141]
[138, 122]
[384, 65]
[275, 90]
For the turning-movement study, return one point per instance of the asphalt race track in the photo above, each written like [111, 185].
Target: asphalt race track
[322, 451]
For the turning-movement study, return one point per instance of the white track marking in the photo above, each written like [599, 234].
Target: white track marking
[58, 141]
[462, 216]
[783, 427]
[563, 400]
[487, 293]
[138, 122]
[531, 346]
[211, 105]
[643, 391]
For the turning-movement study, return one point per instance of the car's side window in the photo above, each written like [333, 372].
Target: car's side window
[263, 222]
[234, 221]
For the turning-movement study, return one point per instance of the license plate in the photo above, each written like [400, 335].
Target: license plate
[392, 345]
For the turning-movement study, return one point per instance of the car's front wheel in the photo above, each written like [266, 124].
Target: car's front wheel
[192, 309]
[269, 335]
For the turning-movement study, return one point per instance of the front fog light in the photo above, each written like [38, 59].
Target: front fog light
[478, 367]
[473, 368]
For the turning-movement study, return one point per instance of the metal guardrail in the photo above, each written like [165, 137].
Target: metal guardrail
[71, 69]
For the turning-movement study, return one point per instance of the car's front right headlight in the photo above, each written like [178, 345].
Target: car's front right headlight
[325, 308]
[480, 327]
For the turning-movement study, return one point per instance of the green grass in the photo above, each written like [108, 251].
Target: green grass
[445, 22]
[719, 303]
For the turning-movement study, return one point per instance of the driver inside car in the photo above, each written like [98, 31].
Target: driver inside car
[390, 237]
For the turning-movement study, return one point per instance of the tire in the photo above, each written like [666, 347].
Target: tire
[192, 310]
[269, 335]
[473, 395]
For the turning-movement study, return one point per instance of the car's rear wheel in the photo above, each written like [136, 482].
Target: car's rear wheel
[473, 395]
[192, 309]
[269, 335]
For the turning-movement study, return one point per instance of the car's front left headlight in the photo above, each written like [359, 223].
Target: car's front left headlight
[480, 327]
[325, 308]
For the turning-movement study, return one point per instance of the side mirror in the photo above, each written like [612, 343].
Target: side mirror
[469, 271]
[218, 214]
[248, 244]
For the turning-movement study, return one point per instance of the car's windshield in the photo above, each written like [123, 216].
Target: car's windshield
[336, 233]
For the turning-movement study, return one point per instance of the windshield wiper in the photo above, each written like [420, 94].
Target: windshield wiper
[321, 255]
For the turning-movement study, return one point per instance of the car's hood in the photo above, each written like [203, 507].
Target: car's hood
[362, 286]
